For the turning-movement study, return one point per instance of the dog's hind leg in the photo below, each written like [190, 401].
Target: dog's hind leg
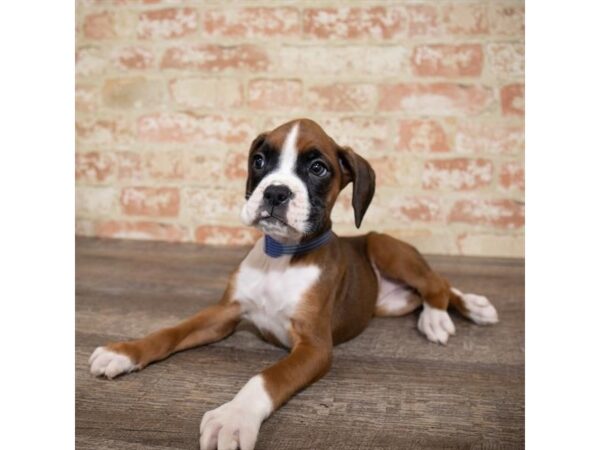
[399, 262]
[395, 299]
[208, 325]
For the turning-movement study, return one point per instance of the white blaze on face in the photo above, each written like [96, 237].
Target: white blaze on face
[284, 174]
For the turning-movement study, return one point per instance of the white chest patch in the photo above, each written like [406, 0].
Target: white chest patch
[269, 290]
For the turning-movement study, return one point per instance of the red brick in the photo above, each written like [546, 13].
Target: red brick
[87, 98]
[133, 93]
[133, 58]
[435, 99]
[236, 166]
[507, 19]
[84, 227]
[396, 171]
[377, 22]
[501, 213]
[130, 166]
[216, 58]
[208, 130]
[275, 94]
[89, 62]
[449, 61]
[512, 176]
[489, 138]
[167, 23]
[220, 235]
[497, 243]
[506, 60]
[206, 169]
[110, 2]
[217, 169]
[512, 98]
[150, 201]
[423, 20]
[103, 131]
[366, 135]
[459, 174]
[422, 136]
[99, 25]
[342, 97]
[212, 204]
[150, 166]
[465, 19]
[346, 60]
[109, 24]
[95, 201]
[94, 166]
[207, 92]
[420, 209]
[252, 22]
[141, 230]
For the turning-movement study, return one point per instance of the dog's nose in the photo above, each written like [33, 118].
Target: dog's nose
[277, 195]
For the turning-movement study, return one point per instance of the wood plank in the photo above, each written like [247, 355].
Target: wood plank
[388, 388]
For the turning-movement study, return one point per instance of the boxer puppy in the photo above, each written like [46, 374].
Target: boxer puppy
[302, 286]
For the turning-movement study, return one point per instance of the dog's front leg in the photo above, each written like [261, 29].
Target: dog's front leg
[208, 325]
[236, 423]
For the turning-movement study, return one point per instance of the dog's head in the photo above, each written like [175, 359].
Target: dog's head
[295, 174]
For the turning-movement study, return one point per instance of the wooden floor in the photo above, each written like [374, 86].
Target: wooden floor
[388, 389]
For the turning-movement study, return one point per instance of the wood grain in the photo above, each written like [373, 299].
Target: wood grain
[388, 389]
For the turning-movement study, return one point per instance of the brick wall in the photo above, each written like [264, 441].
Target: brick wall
[170, 94]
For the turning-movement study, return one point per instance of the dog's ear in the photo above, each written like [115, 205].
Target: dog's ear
[257, 142]
[357, 170]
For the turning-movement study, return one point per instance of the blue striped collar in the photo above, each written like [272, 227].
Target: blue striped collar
[276, 249]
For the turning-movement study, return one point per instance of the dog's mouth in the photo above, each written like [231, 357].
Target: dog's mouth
[272, 218]
[275, 225]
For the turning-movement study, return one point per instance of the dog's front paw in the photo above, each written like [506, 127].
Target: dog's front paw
[435, 324]
[110, 363]
[230, 426]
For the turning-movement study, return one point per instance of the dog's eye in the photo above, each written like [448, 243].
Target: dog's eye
[318, 168]
[258, 162]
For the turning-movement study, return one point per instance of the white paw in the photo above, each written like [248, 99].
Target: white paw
[435, 324]
[479, 309]
[228, 427]
[110, 364]
[236, 423]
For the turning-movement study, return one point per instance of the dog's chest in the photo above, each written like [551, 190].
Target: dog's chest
[269, 291]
